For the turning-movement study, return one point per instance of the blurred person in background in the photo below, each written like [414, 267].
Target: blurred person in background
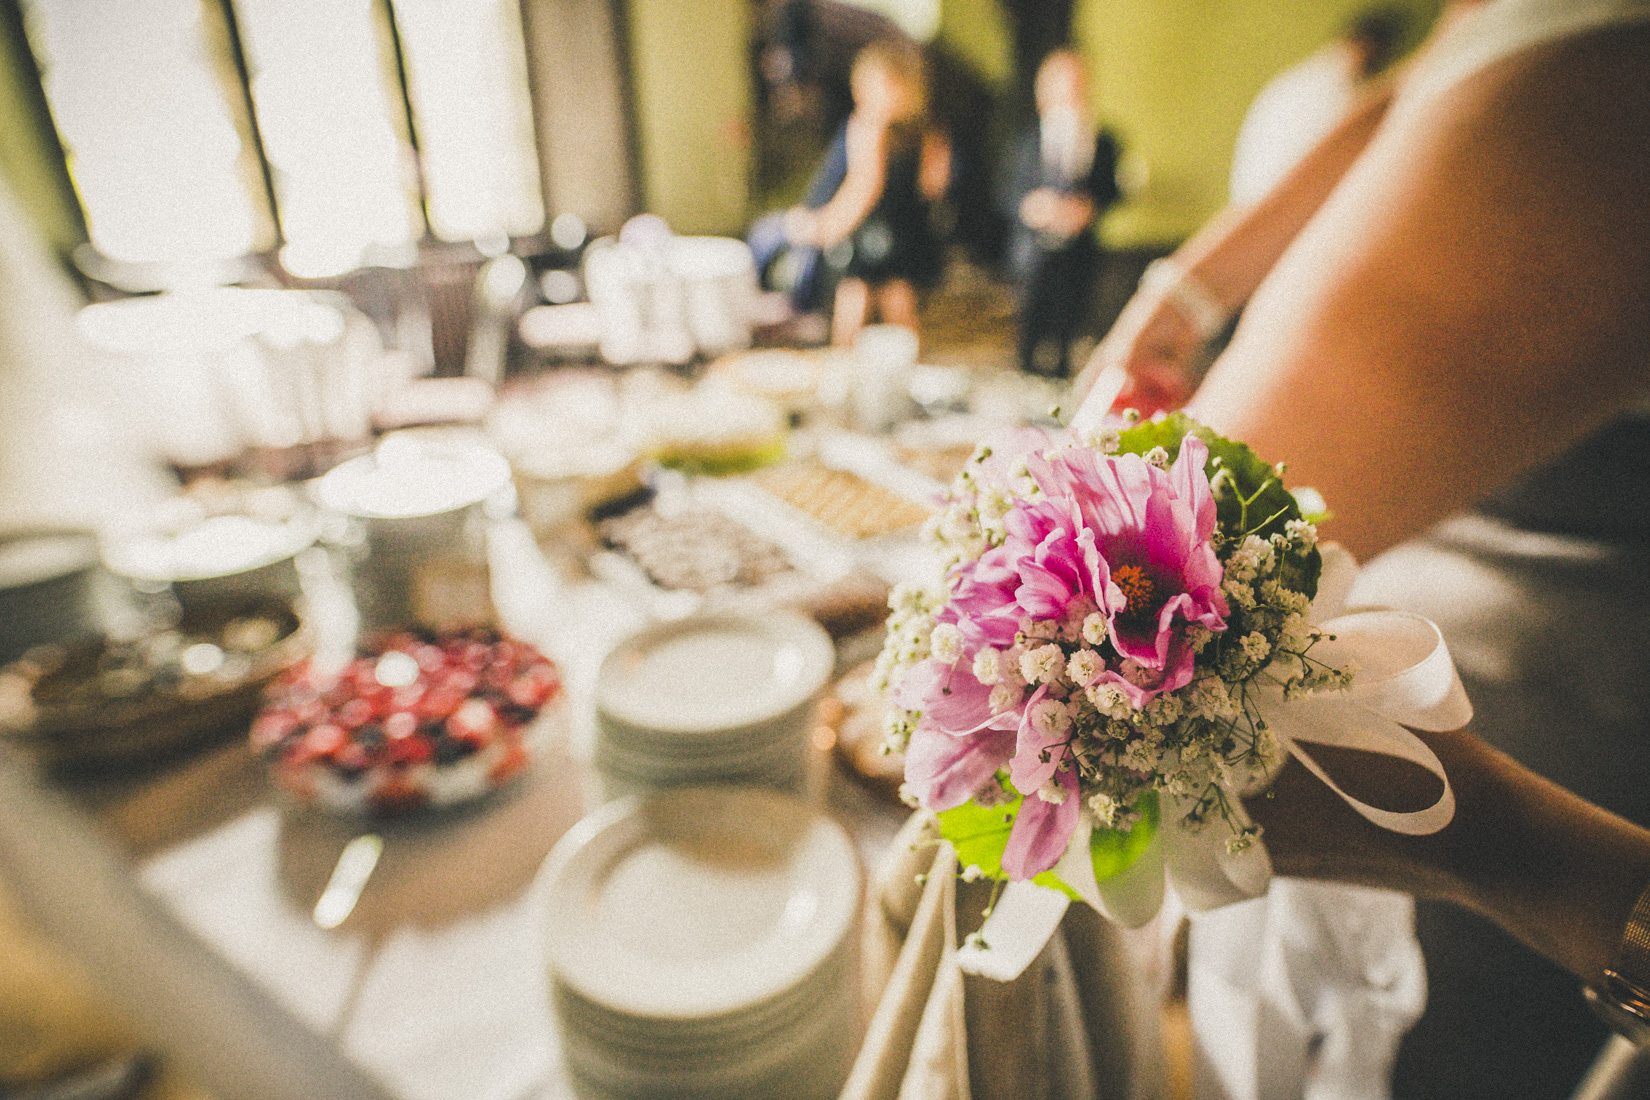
[1062, 177]
[1300, 105]
[870, 207]
[1446, 330]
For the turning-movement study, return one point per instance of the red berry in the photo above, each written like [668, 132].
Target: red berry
[406, 698]
[460, 680]
[354, 757]
[271, 728]
[354, 714]
[440, 703]
[475, 722]
[534, 688]
[411, 750]
[324, 740]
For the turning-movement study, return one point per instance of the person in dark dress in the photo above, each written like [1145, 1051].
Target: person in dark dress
[1062, 177]
[869, 209]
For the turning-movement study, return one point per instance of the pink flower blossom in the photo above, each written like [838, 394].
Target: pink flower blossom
[982, 603]
[1109, 533]
[959, 742]
[1042, 829]
[1159, 573]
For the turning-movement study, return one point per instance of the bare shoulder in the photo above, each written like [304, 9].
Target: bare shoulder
[1472, 298]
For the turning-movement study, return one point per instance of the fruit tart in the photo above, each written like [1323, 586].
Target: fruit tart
[415, 719]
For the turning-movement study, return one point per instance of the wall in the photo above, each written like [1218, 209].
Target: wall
[1173, 78]
[690, 62]
[29, 158]
[977, 32]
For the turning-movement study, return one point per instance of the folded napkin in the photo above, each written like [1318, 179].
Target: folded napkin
[1075, 1024]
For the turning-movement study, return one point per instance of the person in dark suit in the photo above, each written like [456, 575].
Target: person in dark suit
[1062, 177]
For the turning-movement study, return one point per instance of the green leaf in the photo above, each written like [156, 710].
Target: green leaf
[980, 833]
[1116, 850]
[1247, 478]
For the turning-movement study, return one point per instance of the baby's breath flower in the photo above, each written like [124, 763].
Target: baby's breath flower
[1158, 457]
[994, 504]
[1105, 442]
[1256, 646]
[958, 522]
[946, 642]
[1051, 717]
[1237, 592]
[1043, 664]
[988, 665]
[1083, 667]
[1002, 698]
[1300, 533]
[1252, 558]
[1209, 698]
[972, 873]
[1052, 793]
[1109, 700]
[1165, 710]
[1094, 628]
[909, 796]
[1104, 808]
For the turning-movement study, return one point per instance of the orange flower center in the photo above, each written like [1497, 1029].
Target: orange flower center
[1137, 588]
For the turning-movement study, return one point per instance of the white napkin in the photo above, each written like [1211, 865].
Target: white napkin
[1304, 993]
[1073, 1025]
[890, 1065]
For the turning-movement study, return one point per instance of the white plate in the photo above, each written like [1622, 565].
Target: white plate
[698, 902]
[710, 673]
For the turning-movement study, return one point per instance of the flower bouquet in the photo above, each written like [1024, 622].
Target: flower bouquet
[1128, 633]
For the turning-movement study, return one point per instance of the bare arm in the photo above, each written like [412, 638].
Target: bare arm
[1153, 340]
[1474, 298]
[1232, 253]
[934, 167]
[857, 197]
[1549, 867]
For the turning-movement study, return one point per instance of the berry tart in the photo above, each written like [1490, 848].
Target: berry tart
[417, 719]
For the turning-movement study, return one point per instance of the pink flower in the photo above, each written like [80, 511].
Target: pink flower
[1109, 533]
[1158, 572]
[1042, 829]
[959, 742]
[982, 601]
[945, 770]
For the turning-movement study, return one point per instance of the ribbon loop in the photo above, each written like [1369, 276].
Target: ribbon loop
[1404, 668]
[1405, 678]
[1351, 727]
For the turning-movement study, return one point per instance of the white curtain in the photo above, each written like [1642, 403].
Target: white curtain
[67, 456]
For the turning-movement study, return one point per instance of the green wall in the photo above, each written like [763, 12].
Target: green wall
[977, 32]
[1173, 79]
[28, 155]
[689, 59]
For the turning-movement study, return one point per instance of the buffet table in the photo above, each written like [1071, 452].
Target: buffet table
[188, 888]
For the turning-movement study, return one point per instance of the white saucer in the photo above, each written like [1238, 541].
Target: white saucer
[698, 902]
[713, 673]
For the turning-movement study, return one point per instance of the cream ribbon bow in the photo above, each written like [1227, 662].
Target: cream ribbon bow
[1404, 678]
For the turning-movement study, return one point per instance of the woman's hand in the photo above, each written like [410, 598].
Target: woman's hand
[1158, 348]
[801, 227]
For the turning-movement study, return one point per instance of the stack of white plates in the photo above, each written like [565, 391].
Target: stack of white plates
[701, 944]
[714, 699]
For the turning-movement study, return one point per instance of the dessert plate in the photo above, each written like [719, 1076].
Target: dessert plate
[698, 902]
